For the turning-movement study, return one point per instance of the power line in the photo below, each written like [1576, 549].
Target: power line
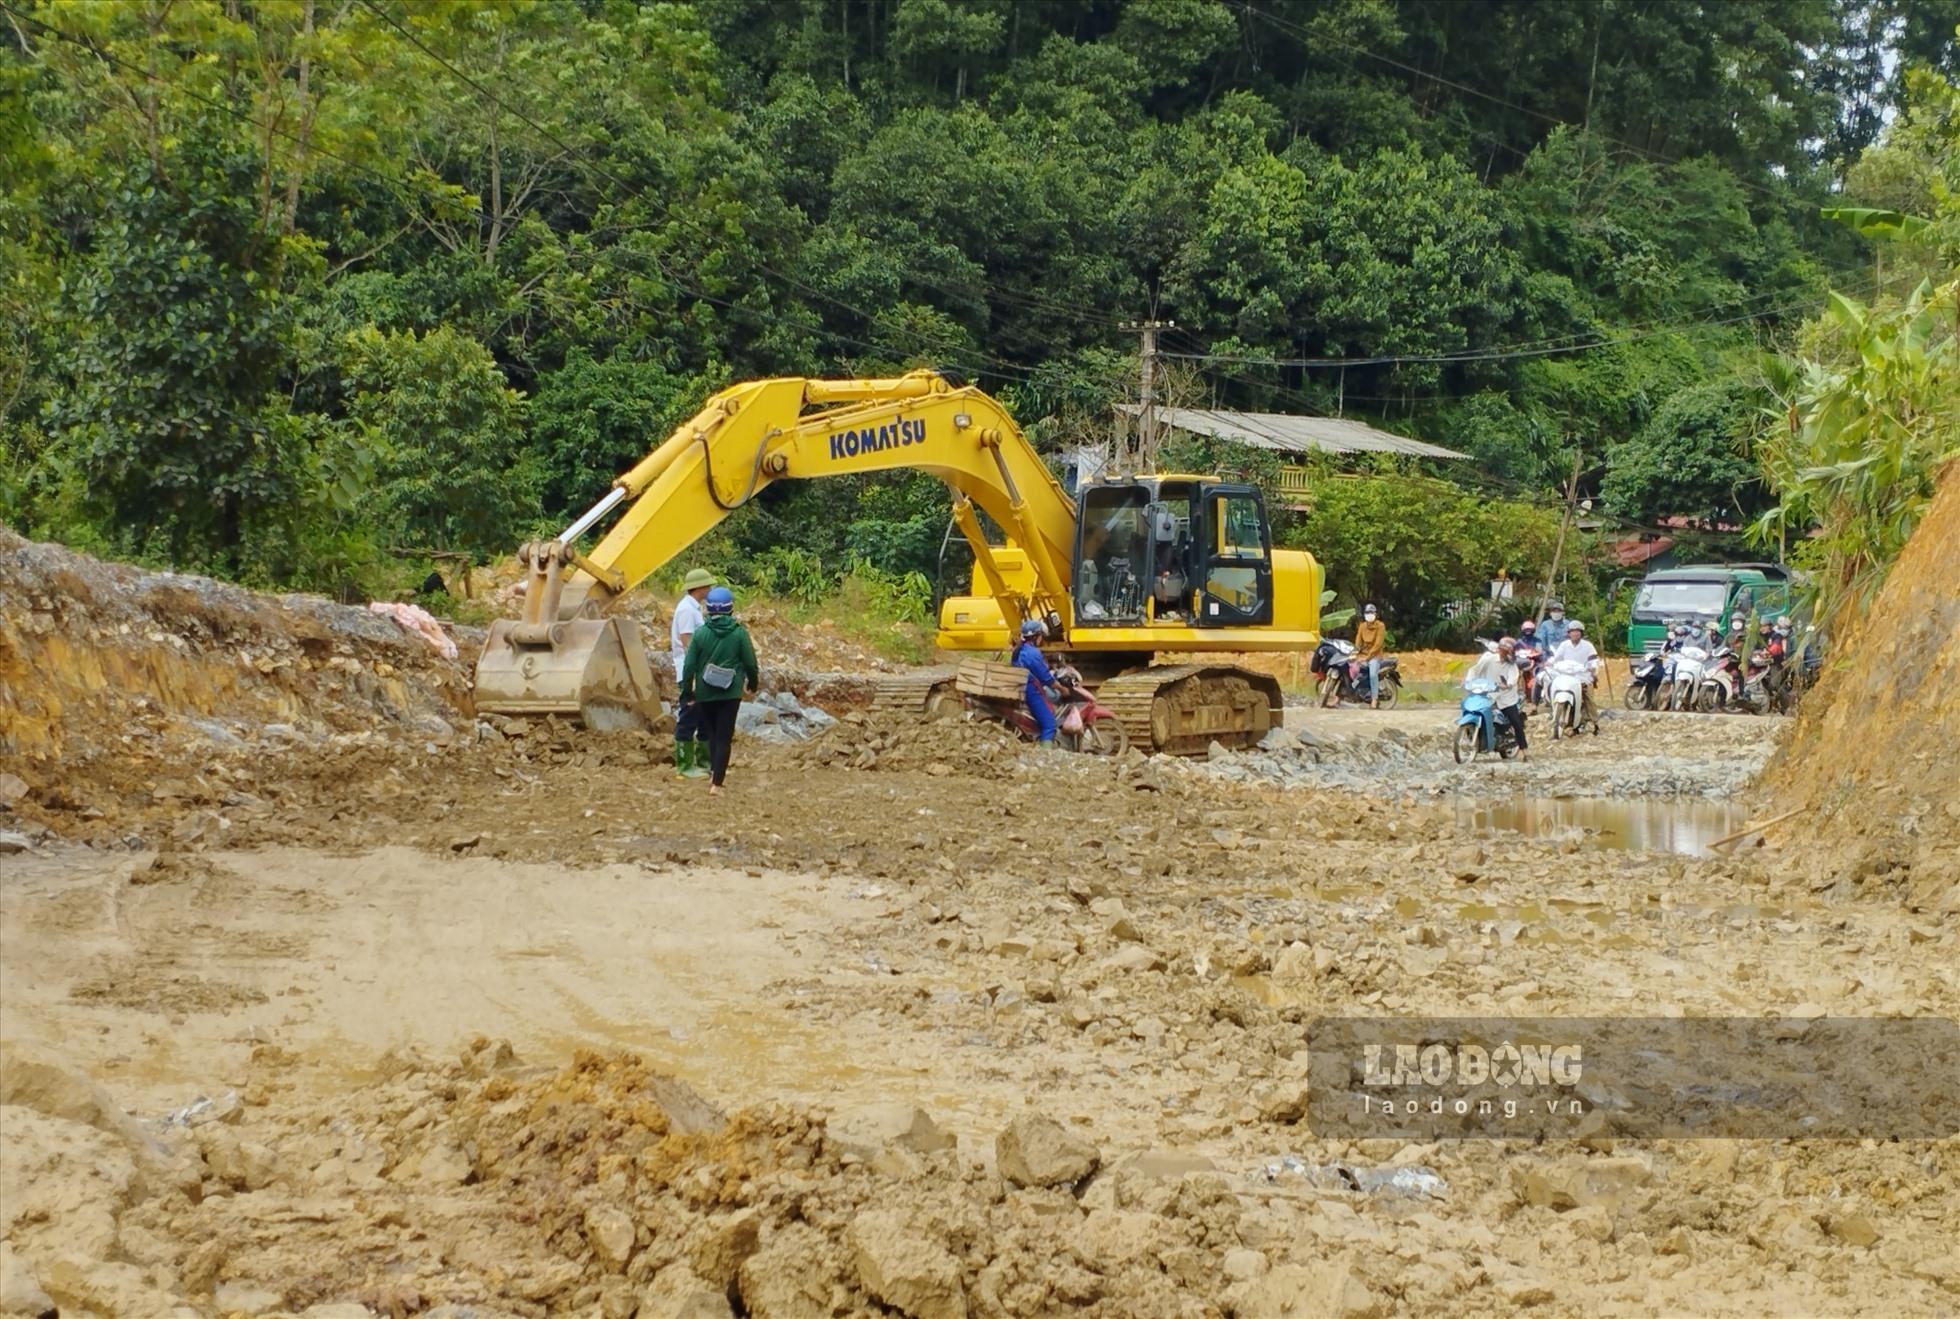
[1548, 349]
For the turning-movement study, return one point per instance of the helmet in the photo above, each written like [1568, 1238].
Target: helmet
[1506, 644]
[1557, 606]
[1030, 627]
[1575, 626]
[1529, 625]
[721, 600]
[697, 577]
[1783, 621]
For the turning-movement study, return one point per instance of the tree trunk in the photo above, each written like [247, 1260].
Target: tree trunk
[305, 133]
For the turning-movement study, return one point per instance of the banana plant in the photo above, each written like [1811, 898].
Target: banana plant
[1334, 620]
[1853, 444]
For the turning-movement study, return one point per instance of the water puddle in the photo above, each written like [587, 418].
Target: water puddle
[1681, 825]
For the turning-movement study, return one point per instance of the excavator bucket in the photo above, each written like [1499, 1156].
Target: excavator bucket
[591, 669]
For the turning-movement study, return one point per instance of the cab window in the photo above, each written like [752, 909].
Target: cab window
[1238, 576]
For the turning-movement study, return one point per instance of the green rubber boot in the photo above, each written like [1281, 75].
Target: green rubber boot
[697, 761]
[683, 758]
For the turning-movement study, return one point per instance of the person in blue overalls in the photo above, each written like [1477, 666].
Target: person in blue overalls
[1027, 656]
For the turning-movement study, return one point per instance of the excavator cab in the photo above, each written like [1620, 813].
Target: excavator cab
[1175, 551]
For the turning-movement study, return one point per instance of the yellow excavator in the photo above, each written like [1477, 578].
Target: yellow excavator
[1134, 568]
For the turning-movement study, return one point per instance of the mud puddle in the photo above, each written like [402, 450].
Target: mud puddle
[1684, 826]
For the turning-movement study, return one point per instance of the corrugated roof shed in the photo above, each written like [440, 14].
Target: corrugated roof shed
[1289, 434]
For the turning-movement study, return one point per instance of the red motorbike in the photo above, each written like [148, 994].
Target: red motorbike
[1082, 723]
[1527, 658]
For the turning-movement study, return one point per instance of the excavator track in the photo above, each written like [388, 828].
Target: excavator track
[1182, 709]
[922, 692]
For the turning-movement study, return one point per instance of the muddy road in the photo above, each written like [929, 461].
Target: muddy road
[425, 985]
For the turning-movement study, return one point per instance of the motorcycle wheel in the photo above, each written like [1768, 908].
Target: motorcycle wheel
[1637, 697]
[1385, 694]
[1709, 699]
[1330, 690]
[1558, 720]
[1105, 737]
[1464, 748]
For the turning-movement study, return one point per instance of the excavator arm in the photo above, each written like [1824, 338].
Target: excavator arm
[566, 656]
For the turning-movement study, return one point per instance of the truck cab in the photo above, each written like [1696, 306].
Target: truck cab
[1700, 593]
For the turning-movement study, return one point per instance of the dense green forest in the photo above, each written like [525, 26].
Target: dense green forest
[289, 286]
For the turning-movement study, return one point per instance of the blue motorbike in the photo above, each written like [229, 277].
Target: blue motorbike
[1477, 727]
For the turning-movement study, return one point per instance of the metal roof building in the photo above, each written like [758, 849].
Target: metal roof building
[1290, 434]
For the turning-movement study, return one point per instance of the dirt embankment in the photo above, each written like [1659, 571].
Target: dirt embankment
[1873, 763]
[97, 658]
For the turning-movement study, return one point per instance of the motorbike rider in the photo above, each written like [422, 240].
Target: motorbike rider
[1679, 634]
[1027, 656]
[1528, 641]
[1552, 626]
[1370, 636]
[1738, 638]
[1576, 647]
[1507, 702]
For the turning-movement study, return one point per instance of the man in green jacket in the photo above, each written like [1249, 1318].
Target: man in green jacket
[720, 667]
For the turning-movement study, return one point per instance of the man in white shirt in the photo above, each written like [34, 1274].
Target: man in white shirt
[1576, 647]
[1507, 702]
[690, 753]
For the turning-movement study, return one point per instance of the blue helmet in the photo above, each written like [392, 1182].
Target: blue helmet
[1030, 627]
[721, 600]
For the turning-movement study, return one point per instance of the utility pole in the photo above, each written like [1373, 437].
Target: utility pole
[1564, 522]
[1143, 451]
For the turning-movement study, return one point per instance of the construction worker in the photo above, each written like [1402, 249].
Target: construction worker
[1027, 656]
[690, 753]
[720, 667]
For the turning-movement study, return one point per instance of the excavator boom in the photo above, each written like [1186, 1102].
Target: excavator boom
[566, 656]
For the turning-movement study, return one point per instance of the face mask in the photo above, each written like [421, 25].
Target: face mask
[1370, 615]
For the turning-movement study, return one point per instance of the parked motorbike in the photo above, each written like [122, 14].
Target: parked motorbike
[1477, 727]
[1567, 689]
[1644, 687]
[1082, 722]
[1344, 679]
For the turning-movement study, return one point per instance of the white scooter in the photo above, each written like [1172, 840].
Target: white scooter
[1684, 679]
[1567, 686]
